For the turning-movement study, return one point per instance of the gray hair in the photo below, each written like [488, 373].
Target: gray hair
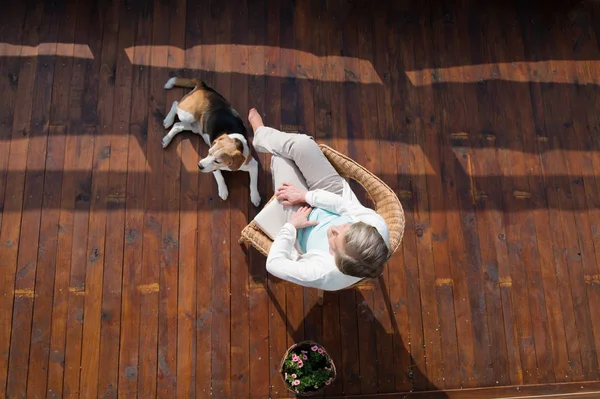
[364, 253]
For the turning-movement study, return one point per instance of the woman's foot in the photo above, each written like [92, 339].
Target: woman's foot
[255, 119]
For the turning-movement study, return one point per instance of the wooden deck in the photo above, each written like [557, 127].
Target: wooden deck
[120, 270]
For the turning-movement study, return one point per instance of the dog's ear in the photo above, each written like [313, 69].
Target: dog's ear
[237, 159]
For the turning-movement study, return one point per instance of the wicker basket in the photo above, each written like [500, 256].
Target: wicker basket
[308, 344]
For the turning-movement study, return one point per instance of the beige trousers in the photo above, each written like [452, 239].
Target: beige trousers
[297, 160]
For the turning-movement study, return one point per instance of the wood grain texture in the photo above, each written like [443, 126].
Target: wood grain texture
[120, 271]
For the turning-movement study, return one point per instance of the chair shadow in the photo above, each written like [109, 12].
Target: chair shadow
[376, 360]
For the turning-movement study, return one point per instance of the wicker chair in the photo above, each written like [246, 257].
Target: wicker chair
[385, 200]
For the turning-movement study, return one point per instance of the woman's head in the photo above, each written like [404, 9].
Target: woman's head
[358, 248]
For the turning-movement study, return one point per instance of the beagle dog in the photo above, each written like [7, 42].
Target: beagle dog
[207, 113]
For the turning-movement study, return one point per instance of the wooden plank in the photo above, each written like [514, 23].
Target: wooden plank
[272, 117]
[323, 323]
[369, 155]
[433, 268]
[258, 306]
[327, 119]
[194, 315]
[561, 260]
[549, 391]
[527, 234]
[487, 198]
[11, 29]
[382, 306]
[220, 228]
[151, 363]
[583, 192]
[295, 307]
[239, 198]
[44, 289]
[550, 263]
[39, 372]
[331, 338]
[115, 81]
[92, 312]
[349, 376]
[310, 316]
[181, 159]
[482, 254]
[472, 328]
[9, 117]
[492, 257]
[322, 114]
[397, 286]
[59, 116]
[80, 148]
[205, 190]
[305, 35]
[59, 106]
[433, 231]
[561, 201]
[80, 145]
[173, 379]
[318, 113]
[130, 368]
[590, 166]
[367, 347]
[569, 197]
[360, 370]
[28, 262]
[407, 294]
[336, 92]
[349, 372]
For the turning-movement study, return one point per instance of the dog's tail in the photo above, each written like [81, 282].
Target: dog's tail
[183, 82]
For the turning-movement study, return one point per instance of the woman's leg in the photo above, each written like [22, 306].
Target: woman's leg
[302, 150]
[284, 170]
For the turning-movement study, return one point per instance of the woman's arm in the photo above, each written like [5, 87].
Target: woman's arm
[337, 204]
[289, 194]
[354, 210]
[280, 263]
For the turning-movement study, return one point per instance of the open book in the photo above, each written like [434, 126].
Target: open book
[271, 219]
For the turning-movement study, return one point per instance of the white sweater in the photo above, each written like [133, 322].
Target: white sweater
[316, 268]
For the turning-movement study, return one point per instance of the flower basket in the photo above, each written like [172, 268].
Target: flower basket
[307, 369]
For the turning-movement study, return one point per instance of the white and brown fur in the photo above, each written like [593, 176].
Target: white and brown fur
[207, 113]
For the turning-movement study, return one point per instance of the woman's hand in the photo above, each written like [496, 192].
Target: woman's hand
[288, 194]
[300, 220]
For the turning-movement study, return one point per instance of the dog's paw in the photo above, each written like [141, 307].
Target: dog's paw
[223, 192]
[168, 122]
[166, 141]
[170, 83]
[255, 198]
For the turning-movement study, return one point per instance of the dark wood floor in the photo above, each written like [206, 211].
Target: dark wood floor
[120, 270]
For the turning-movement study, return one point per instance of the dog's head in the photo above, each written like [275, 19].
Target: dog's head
[225, 152]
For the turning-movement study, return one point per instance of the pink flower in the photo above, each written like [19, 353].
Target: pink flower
[328, 382]
[296, 382]
[300, 364]
[314, 348]
[320, 351]
[295, 358]
[304, 357]
[294, 376]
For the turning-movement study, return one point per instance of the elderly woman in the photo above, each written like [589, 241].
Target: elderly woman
[330, 241]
